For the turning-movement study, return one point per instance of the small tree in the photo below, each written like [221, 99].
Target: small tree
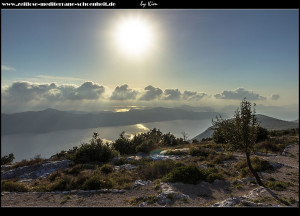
[240, 133]
[184, 135]
[94, 151]
[7, 159]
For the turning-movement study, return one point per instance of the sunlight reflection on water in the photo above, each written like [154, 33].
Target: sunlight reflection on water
[26, 146]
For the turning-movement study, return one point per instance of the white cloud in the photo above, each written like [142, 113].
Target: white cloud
[7, 68]
[123, 93]
[26, 92]
[193, 95]
[172, 94]
[239, 94]
[151, 93]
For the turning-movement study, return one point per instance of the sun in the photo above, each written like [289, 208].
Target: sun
[134, 36]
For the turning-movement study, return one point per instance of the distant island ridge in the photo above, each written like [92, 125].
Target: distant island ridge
[52, 120]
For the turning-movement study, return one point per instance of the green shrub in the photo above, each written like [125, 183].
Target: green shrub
[7, 159]
[277, 185]
[92, 183]
[212, 174]
[170, 140]
[185, 174]
[95, 151]
[75, 170]
[120, 161]
[36, 160]
[97, 182]
[258, 165]
[261, 165]
[262, 134]
[107, 168]
[219, 158]
[269, 146]
[147, 146]
[12, 186]
[157, 169]
[59, 184]
[198, 152]
[123, 145]
[54, 175]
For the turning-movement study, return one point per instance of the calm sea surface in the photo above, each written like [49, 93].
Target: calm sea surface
[26, 146]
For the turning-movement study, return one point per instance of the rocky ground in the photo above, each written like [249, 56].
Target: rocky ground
[241, 193]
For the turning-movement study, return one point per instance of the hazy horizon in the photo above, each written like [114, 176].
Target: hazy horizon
[93, 60]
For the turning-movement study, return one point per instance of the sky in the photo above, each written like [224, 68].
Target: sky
[96, 60]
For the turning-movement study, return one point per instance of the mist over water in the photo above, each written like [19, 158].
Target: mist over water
[26, 146]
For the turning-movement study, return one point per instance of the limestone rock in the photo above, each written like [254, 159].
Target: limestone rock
[125, 167]
[140, 183]
[36, 171]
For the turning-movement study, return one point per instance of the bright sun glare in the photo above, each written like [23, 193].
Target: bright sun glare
[133, 36]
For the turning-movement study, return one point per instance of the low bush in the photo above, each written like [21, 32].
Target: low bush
[220, 157]
[198, 152]
[95, 151]
[36, 160]
[212, 174]
[107, 168]
[185, 174]
[97, 182]
[59, 184]
[12, 186]
[258, 165]
[277, 185]
[157, 169]
[7, 159]
[269, 146]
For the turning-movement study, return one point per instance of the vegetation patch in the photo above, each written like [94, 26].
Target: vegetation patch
[158, 169]
[36, 160]
[277, 185]
[258, 164]
[107, 168]
[186, 174]
[12, 186]
[65, 200]
[139, 200]
[7, 159]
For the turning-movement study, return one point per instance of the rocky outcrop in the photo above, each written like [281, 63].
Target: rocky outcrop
[125, 167]
[169, 195]
[138, 183]
[35, 171]
[245, 200]
[287, 149]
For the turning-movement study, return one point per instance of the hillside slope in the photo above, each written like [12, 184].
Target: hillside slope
[267, 122]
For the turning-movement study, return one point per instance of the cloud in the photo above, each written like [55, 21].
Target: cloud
[192, 95]
[239, 94]
[123, 93]
[275, 96]
[172, 94]
[26, 92]
[151, 93]
[89, 90]
[7, 68]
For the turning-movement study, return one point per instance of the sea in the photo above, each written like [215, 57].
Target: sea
[44, 145]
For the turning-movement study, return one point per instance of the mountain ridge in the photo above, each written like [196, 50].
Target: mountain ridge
[51, 119]
[265, 121]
